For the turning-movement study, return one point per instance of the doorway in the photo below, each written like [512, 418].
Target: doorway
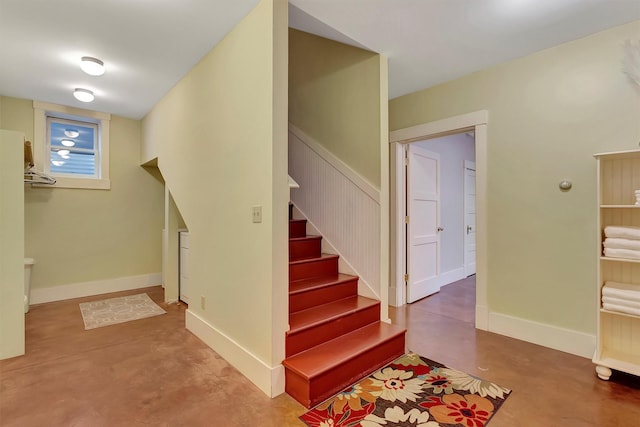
[440, 189]
[399, 139]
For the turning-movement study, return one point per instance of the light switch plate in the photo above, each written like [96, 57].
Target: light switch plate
[256, 212]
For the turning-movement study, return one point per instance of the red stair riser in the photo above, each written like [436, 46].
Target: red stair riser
[311, 298]
[297, 228]
[324, 267]
[316, 390]
[299, 341]
[307, 248]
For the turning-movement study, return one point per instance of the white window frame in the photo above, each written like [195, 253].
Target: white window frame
[42, 148]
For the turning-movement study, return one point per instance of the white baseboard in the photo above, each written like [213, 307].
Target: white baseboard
[567, 340]
[482, 317]
[97, 287]
[451, 276]
[268, 379]
[394, 299]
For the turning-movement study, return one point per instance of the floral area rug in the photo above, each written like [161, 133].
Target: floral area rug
[412, 391]
[118, 310]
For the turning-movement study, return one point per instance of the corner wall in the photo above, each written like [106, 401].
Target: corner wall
[87, 242]
[335, 99]
[548, 113]
[220, 137]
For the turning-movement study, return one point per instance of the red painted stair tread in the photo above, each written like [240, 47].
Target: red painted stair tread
[328, 312]
[305, 285]
[324, 357]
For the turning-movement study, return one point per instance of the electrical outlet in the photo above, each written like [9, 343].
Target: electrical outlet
[256, 212]
[202, 302]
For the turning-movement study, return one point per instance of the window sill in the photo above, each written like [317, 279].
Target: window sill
[79, 183]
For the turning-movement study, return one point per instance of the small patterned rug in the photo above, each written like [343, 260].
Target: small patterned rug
[118, 310]
[412, 391]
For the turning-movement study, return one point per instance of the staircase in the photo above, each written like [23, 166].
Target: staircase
[336, 337]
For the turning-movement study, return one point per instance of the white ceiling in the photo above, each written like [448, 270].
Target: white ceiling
[148, 45]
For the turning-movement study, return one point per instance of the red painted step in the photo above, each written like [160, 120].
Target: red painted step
[308, 293]
[326, 322]
[304, 247]
[297, 228]
[318, 373]
[323, 266]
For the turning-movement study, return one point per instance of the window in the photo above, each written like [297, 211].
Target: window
[72, 145]
[73, 148]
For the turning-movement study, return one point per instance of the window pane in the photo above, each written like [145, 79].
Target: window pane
[76, 163]
[85, 138]
[74, 148]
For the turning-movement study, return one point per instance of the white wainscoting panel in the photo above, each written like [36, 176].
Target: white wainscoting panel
[344, 207]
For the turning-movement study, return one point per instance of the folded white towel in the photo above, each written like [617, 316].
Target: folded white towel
[611, 284]
[622, 232]
[621, 309]
[623, 302]
[621, 253]
[617, 243]
[626, 291]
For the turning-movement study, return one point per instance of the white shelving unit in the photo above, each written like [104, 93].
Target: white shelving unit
[618, 334]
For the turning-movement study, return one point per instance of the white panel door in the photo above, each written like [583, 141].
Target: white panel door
[469, 218]
[423, 231]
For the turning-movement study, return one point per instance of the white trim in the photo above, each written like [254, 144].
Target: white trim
[268, 379]
[476, 121]
[71, 110]
[96, 287]
[567, 340]
[353, 176]
[444, 126]
[482, 317]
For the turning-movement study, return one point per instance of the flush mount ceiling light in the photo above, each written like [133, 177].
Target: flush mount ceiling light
[71, 133]
[63, 152]
[84, 95]
[68, 142]
[92, 66]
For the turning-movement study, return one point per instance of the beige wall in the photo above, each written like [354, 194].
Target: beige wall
[548, 113]
[334, 97]
[220, 138]
[79, 235]
[11, 245]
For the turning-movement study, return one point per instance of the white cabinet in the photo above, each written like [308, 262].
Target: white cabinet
[618, 333]
[184, 266]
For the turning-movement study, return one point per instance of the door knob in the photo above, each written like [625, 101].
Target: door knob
[440, 229]
[468, 229]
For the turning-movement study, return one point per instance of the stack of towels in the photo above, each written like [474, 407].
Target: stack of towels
[622, 242]
[621, 297]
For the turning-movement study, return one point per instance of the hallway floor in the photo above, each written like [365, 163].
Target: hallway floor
[153, 372]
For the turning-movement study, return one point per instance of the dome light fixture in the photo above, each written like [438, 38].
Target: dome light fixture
[71, 133]
[92, 66]
[63, 152]
[68, 142]
[83, 95]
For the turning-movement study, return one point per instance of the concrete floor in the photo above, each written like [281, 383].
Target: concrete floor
[153, 372]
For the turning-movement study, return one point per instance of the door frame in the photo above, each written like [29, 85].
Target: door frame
[477, 122]
[465, 206]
